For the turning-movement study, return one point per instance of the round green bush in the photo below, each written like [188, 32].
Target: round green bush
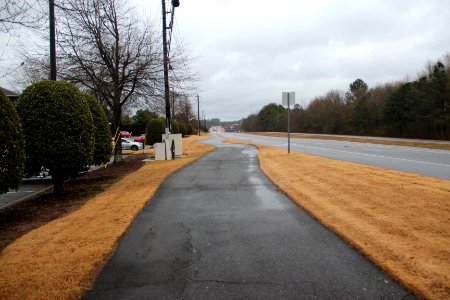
[58, 128]
[154, 131]
[174, 128]
[190, 129]
[12, 146]
[183, 129]
[102, 133]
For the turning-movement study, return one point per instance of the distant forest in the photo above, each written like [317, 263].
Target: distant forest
[413, 109]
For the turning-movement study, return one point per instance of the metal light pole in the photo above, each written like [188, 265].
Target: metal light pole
[51, 4]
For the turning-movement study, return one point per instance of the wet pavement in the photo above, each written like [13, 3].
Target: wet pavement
[423, 161]
[27, 189]
[219, 229]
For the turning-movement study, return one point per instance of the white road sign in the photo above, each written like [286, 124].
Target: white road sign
[288, 96]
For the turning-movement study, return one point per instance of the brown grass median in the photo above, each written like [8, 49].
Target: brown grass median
[398, 220]
[60, 259]
[381, 141]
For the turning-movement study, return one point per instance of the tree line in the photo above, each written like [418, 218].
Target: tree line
[412, 109]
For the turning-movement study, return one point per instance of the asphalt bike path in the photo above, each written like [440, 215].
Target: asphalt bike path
[219, 229]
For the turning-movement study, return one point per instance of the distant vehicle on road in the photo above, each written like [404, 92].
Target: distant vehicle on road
[43, 173]
[130, 145]
[125, 134]
[140, 139]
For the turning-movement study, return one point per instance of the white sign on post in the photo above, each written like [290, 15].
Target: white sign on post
[286, 96]
[288, 99]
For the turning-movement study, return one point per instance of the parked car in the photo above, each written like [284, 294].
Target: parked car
[130, 145]
[125, 134]
[140, 139]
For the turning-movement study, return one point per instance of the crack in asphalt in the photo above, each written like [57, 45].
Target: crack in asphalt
[233, 282]
[182, 274]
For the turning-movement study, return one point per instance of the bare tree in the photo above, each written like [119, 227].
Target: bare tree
[16, 15]
[102, 49]
[105, 50]
[19, 13]
[182, 82]
[183, 110]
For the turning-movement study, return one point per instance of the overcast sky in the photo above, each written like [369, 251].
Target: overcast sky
[248, 52]
[251, 51]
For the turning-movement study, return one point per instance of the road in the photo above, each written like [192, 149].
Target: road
[32, 185]
[27, 188]
[427, 162]
[219, 229]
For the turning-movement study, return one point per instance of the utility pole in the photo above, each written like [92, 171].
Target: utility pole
[51, 4]
[166, 68]
[198, 115]
[289, 123]
[204, 120]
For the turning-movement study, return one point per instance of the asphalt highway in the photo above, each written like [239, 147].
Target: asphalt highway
[427, 162]
[219, 229]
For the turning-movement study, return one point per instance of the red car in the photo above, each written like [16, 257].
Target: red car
[125, 134]
[140, 139]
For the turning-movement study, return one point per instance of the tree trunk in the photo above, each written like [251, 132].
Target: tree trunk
[58, 182]
[118, 147]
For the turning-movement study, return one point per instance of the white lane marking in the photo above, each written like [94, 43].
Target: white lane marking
[380, 156]
[368, 145]
[393, 147]
[21, 192]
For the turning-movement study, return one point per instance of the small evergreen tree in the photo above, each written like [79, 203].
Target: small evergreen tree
[183, 129]
[141, 119]
[12, 146]
[102, 133]
[58, 128]
[154, 131]
[190, 129]
[174, 128]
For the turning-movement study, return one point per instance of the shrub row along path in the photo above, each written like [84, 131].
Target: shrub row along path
[219, 229]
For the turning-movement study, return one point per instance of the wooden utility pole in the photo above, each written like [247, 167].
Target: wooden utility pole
[51, 4]
[166, 68]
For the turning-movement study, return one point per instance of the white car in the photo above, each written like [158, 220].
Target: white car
[130, 145]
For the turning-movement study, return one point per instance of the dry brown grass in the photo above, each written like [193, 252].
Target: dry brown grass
[400, 221]
[60, 259]
[429, 145]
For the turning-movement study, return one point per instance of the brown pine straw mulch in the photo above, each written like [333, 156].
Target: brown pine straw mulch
[400, 221]
[59, 260]
[43, 207]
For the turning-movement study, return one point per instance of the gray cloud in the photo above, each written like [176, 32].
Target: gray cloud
[249, 55]
[249, 52]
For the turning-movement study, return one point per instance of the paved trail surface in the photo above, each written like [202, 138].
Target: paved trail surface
[219, 229]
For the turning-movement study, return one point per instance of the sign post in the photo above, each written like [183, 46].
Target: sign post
[288, 98]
